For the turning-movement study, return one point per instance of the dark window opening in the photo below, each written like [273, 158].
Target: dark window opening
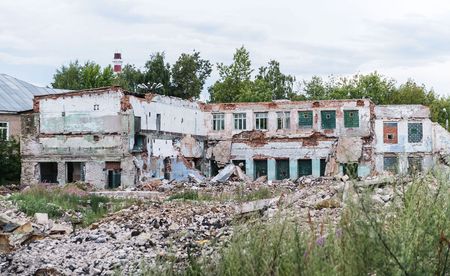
[260, 168]
[351, 170]
[304, 167]
[137, 124]
[197, 163]
[214, 168]
[323, 166]
[414, 165]
[390, 164]
[139, 142]
[240, 164]
[158, 122]
[167, 168]
[49, 172]
[75, 171]
[282, 169]
[114, 174]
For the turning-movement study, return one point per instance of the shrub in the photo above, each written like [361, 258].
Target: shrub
[9, 161]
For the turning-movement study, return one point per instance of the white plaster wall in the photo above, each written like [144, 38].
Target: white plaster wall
[177, 116]
[86, 141]
[403, 145]
[441, 139]
[401, 111]
[95, 174]
[294, 150]
[163, 148]
[80, 115]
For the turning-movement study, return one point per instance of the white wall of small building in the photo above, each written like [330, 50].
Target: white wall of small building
[78, 113]
[177, 115]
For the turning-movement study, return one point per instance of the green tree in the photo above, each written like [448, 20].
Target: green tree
[76, 76]
[189, 74]
[68, 77]
[412, 93]
[157, 71]
[315, 89]
[280, 85]
[9, 161]
[129, 78]
[234, 79]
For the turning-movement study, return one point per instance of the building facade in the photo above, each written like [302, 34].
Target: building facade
[110, 137]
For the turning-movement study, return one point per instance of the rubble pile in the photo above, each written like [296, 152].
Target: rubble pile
[159, 230]
[17, 230]
[125, 240]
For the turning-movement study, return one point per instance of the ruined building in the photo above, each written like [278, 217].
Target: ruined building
[110, 137]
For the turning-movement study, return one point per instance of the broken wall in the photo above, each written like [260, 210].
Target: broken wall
[294, 140]
[83, 127]
[399, 143]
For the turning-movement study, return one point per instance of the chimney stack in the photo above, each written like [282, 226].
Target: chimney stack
[117, 61]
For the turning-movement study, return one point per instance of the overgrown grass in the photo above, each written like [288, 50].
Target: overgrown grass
[410, 236]
[57, 202]
[239, 195]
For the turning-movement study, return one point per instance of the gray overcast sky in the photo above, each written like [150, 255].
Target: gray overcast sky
[398, 38]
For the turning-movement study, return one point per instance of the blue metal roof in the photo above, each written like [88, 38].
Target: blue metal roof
[17, 95]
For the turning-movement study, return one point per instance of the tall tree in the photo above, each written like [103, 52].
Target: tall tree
[157, 71]
[189, 74]
[280, 85]
[315, 89]
[89, 75]
[234, 79]
[130, 78]
[68, 77]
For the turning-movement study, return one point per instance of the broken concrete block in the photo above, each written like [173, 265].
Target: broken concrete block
[196, 176]
[59, 229]
[224, 174]
[261, 179]
[242, 176]
[256, 205]
[345, 178]
[328, 203]
[41, 218]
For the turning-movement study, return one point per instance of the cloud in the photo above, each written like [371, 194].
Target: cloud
[307, 37]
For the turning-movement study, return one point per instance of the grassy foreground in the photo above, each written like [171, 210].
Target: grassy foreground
[59, 201]
[409, 236]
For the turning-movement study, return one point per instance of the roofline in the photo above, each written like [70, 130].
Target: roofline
[287, 101]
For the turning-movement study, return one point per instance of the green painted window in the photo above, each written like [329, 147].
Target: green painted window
[282, 169]
[305, 119]
[304, 167]
[328, 119]
[260, 167]
[415, 132]
[351, 118]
